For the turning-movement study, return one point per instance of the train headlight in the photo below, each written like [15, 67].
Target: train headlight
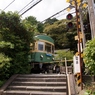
[53, 58]
[41, 56]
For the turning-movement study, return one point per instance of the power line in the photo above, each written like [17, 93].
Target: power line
[55, 14]
[8, 5]
[26, 6]
[71, 12]
[31, 7]
[65, 13]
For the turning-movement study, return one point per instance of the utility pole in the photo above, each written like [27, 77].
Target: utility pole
[91, 17]
[82, 30]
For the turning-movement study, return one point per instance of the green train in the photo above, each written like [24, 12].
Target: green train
[42, 54]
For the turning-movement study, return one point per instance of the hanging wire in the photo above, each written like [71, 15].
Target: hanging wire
[25, 6]
[72, 12]
[31, 7]
[55, 14]
[8, 5]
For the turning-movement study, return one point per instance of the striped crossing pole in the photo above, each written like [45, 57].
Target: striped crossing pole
[77, 4]
[79, 75]
[78, 79]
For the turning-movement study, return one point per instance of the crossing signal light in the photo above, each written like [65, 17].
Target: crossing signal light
[70, 25]
[69, 16]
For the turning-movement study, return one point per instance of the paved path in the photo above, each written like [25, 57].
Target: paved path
[83, 92]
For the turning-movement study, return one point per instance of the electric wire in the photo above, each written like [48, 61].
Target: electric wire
[31, 7]
[71, 12]
[64, 14]
[54, 14]
[8, 5]
[35, 5]
[25, 6]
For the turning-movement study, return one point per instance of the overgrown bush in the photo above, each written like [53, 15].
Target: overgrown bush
[89, 56]
[15, 39]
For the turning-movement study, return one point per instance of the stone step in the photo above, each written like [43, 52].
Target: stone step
[32, 93]
[43, 75]
[39, 88]
[40, 79]
[38, 83]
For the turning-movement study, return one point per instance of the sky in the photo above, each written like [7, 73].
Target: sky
[41, 11]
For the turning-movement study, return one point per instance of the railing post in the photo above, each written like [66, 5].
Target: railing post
[66, 66]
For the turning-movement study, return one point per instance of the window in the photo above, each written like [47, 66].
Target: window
[41, 46]
[48, 47]
[52, 49]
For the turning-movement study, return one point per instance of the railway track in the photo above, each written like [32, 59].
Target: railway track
[38, 84]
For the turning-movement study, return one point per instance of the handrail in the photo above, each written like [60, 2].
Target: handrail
[68, 82]
[71, 84]
[7, 83]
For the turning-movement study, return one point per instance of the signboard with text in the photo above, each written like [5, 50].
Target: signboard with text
[76, 64]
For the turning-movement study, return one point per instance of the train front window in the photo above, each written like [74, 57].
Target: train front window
[48, 47]
[52, 49]
[41, 46]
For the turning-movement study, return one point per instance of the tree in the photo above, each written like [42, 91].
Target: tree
[63, 37]
[50, 21]
[89, 56]
[36, 25]
[40, 27]
[20, 35]
[4, 60]
[62, 54]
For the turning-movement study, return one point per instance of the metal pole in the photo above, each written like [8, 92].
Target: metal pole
[91, 17]
[82, 30]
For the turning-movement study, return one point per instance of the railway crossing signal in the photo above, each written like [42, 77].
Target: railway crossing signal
[69, 17]
[70, 25]
[77, 5]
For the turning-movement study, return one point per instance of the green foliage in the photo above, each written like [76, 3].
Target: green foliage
[32, 20]
[4, 60]
[50, 21]
[63, 37]
[4, 44]
[2, 82]
[90, 89]
[40, 27]
[27, 24]
[62, 54]
[89, 56]
[15, 37]
[36, 25]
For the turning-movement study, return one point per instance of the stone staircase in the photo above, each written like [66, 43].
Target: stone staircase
[38, 84]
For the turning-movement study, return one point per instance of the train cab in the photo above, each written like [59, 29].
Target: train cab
[43, 49]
